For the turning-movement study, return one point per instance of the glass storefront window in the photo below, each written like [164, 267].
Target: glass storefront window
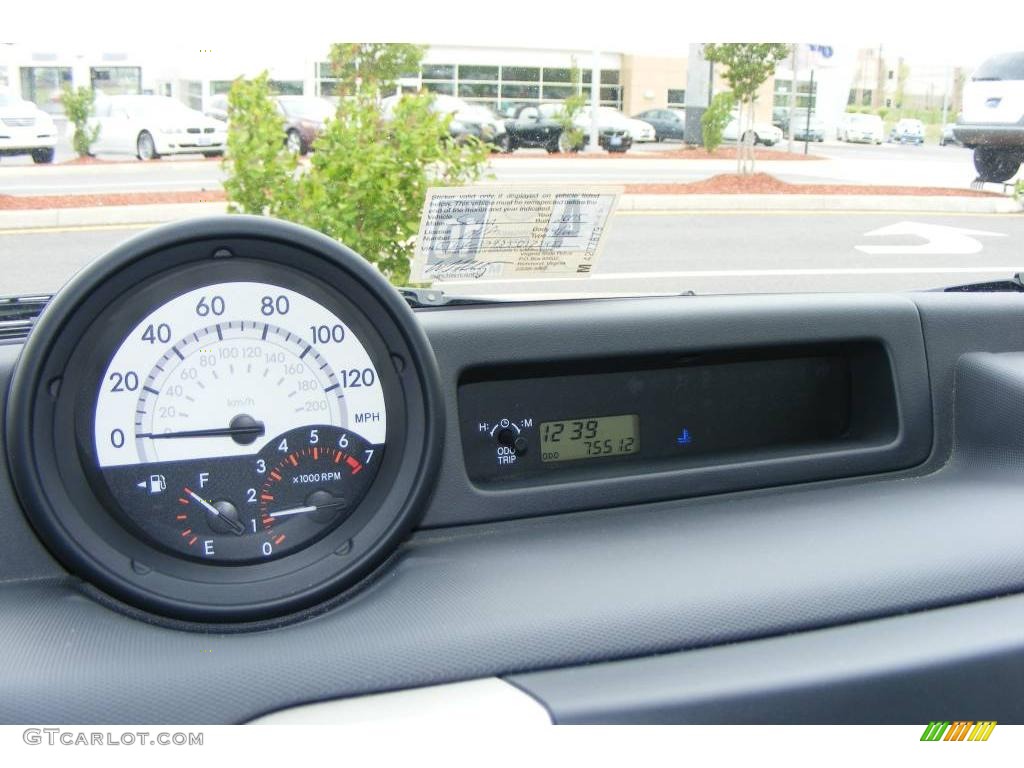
[478, 90]
[557, 75]
[445, 88]
[438, 71]
[513, 91]
[192, 93]
[558, 92]
[42, 86]
[285, 87]
[608, 76]
[468, 72]
[676, 98]
[116, 81]
[520, 74]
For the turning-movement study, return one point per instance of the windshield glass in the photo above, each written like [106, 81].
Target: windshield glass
[654, 159]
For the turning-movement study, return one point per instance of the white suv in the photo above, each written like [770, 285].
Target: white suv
[992, 122]
[26, 130]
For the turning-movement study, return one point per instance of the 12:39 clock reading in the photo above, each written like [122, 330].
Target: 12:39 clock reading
[589, 437]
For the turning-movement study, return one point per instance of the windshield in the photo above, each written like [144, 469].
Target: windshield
[654, 164]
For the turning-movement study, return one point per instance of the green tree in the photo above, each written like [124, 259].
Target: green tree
[715, 118]
[373, 67]
[748, 66]
[78, 105]
[260, 172]
[368, 178]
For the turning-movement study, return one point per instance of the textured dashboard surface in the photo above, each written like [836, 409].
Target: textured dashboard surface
[534, 594]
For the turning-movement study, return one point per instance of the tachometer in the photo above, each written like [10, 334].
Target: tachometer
[255, 417]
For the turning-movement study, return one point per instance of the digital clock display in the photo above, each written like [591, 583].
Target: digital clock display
[589, 438]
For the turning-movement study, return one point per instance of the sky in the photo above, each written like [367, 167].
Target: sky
[923, 31]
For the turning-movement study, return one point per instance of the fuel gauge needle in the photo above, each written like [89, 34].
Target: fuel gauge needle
[234, 525]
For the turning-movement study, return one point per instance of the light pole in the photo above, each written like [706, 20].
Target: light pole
[594, 144]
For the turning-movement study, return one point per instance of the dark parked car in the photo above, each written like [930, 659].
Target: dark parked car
[304, 118]
[668, 123]
[533, 126]
[467, 119]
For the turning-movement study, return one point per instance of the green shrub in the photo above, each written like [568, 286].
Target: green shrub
[260, 171]
[715, 118]
[367, 180]
[575, 137]
[78, 104]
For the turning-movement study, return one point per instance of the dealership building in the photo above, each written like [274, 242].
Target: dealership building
[498, 77]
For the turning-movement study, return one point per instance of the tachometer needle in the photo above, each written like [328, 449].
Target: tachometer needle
[293, 511]
[234, 525]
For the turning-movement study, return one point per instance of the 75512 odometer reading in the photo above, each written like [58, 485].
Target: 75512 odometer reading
[239, 422]
[589, 437]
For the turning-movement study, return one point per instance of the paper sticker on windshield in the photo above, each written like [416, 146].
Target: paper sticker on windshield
[484, 233]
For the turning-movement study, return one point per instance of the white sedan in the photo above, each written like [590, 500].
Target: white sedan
[26, 130]
[764, 133]
[609, 118]
[151, 126]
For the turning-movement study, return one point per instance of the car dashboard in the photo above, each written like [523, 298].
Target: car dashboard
[693, 509]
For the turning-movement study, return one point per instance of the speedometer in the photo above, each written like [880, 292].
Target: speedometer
[238, 421]
[229, 419]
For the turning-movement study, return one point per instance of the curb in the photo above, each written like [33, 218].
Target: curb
[131, 215]
[840, 203]
[109, 216]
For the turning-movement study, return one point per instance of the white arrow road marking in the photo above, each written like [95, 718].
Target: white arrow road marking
[939, 239]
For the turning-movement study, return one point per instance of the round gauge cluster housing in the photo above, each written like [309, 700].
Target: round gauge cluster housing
[225, 420]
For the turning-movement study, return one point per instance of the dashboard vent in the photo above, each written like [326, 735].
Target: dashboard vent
[17, 314]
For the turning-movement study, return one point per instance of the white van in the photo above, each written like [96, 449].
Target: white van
[992, 122]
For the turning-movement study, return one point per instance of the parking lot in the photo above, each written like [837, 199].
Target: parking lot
[840, 163]
[711, 252]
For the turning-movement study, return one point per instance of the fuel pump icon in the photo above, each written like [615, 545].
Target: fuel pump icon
[157, 484]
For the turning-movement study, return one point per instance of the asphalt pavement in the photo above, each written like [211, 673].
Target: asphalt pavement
[888, 164]
[676, 251]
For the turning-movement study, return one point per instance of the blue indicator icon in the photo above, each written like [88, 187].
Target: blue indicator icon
[685, 438]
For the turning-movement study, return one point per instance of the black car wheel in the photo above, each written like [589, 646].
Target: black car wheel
[145, 147]
[996, 165]
[553, 146]
[293, 142]
[43, 155]
[505, 144]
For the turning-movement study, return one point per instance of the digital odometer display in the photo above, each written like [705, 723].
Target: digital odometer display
[589, 438]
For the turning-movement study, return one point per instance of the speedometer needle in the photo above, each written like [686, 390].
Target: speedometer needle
[234, 525]
[256, 430]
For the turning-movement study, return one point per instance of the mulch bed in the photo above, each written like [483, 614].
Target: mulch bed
[764, 184]
[723, 184]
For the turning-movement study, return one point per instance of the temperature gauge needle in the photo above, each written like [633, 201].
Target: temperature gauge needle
[234, 525]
